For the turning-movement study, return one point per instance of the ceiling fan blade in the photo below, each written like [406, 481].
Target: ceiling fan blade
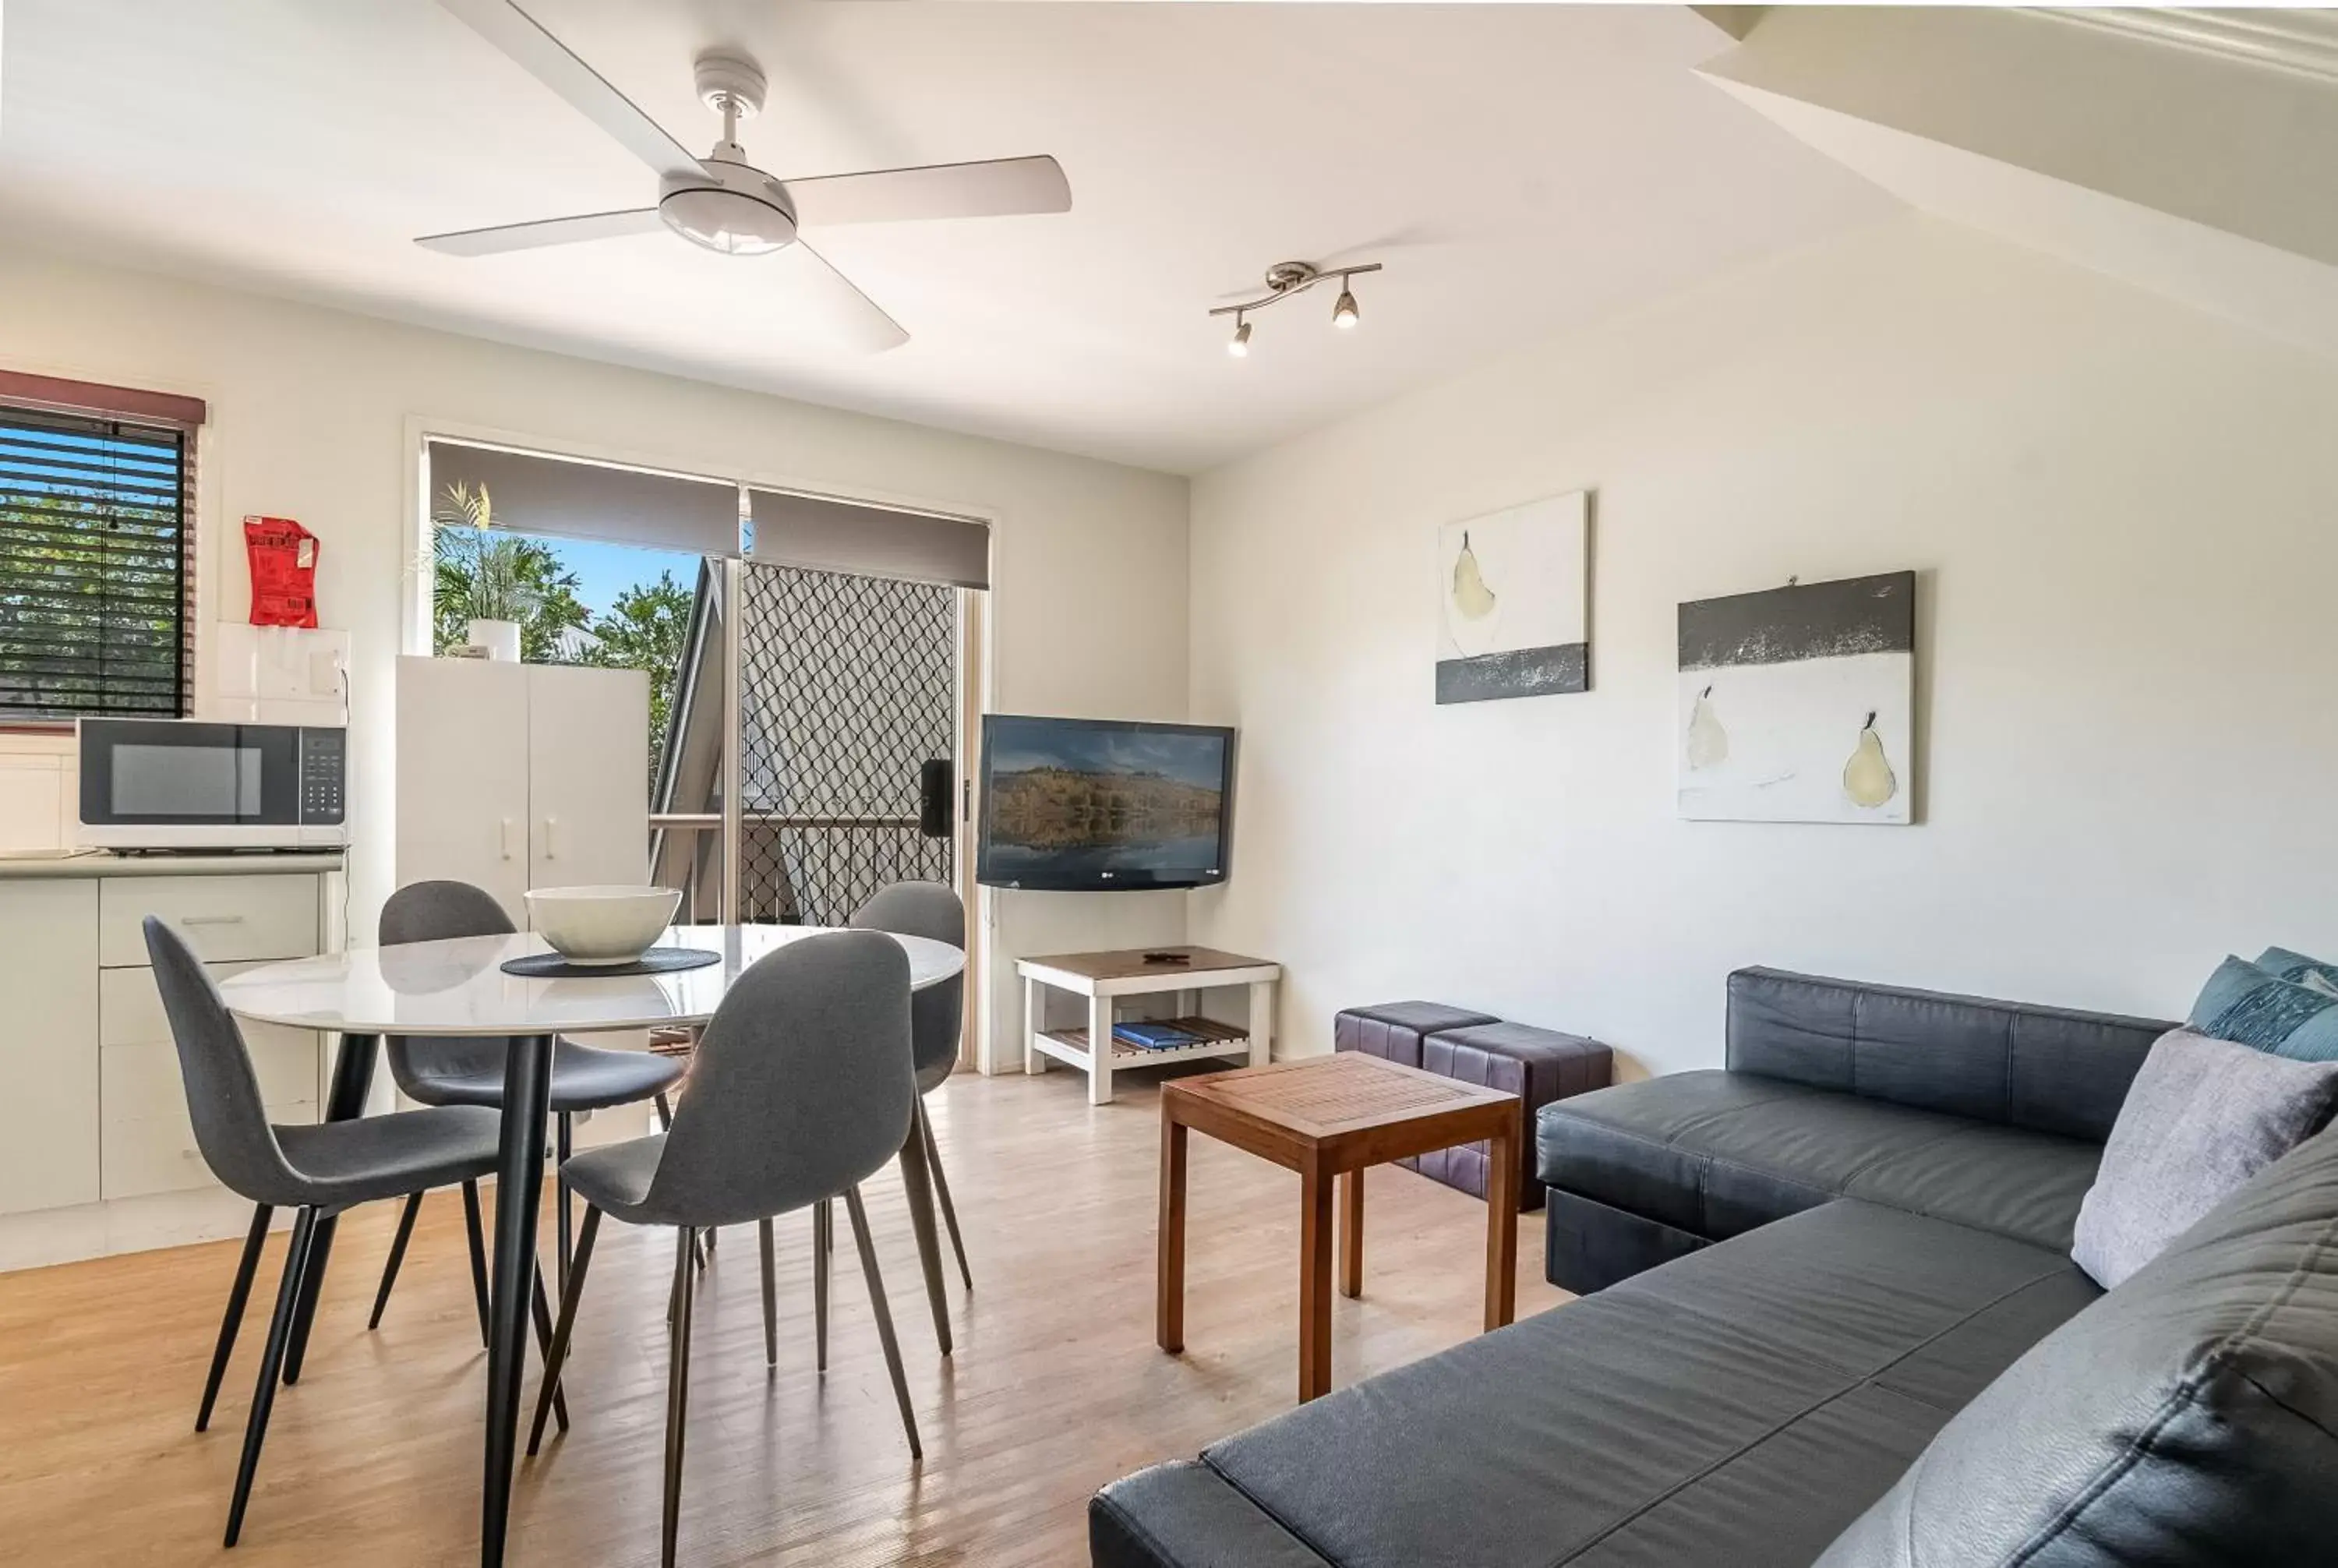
[857, 319]
[545, 232]
[548, 60]
[996, 188]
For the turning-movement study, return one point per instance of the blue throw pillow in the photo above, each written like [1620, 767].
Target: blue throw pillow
[2297, 967]
[2250, 1006]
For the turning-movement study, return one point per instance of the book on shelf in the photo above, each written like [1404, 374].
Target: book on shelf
[1150, 1037]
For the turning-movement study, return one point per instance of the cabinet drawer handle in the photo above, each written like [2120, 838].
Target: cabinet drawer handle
[211, 920]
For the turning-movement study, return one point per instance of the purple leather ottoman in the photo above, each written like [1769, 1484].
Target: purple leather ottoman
[1537, 1065]
[1395, 1029]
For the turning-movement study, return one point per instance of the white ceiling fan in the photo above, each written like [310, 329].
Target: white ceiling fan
[725, 203]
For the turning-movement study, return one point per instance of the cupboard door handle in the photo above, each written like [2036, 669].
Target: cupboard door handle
[552, 837]
[211, 920]
[503, 829]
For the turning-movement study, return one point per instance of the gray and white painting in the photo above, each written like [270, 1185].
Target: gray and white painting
[1512, 593]
[1797, 705]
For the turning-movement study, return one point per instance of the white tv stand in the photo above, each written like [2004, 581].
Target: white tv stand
[1103, 978]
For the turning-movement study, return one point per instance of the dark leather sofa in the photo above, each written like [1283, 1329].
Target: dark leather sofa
[1991, 1114]
[1814, 1272]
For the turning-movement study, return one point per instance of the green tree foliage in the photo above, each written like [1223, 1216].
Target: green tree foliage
[519, 578]
[487, 574]
[644, 629]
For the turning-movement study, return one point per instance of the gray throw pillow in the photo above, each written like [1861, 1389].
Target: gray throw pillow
[2203, 1117]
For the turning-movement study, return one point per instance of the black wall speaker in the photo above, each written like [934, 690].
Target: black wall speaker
[936, 812]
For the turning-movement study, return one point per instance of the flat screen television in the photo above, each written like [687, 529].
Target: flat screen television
[1093, 805]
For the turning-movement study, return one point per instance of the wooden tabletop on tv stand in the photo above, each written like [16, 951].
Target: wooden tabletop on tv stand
[1129, 963]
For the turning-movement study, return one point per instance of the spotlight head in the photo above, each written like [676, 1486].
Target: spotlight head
[1240, 346]
[1344, 315]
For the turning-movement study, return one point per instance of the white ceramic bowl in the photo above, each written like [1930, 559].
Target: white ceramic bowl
[602, 925]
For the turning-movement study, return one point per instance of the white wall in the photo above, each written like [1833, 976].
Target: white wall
[2125, 517]
[311, 412]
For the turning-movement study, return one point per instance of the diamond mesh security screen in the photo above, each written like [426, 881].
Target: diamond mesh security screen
[846, 685]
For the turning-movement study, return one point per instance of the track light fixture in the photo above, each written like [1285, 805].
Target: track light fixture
[1285, 278]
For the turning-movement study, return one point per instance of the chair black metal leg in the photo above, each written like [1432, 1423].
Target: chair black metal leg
[567, 1134]
[479, 1253]
[237, 1295]
[884, 1316]
[555, 1357]
[396, 1257]
[770, 1297]
[542, 1311]
[272, 1366]
[823, 1254]
[677, 1395]
[916, 1186]
[941, 1191]
[352, 1078]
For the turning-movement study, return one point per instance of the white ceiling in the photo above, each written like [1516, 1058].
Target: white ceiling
[1518, 168]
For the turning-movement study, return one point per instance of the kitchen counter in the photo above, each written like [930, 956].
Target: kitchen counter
[109, 863]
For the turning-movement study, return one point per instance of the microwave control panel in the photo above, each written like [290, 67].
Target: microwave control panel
[323, 769]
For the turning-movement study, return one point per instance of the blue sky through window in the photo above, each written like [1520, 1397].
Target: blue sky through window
[604, 571]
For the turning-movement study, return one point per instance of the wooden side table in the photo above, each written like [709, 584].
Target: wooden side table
[1102, 978]
[1327, 1117]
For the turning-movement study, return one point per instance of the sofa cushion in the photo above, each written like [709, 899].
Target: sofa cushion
[2244, 1003]
[2045, 1069]
[1715, 1154]
[2190, 1416]
[1736, 1407]
[1183, 1514]
[2290, 965]
[2204, 1117]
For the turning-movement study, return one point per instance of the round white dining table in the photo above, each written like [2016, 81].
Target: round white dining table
[458, 988]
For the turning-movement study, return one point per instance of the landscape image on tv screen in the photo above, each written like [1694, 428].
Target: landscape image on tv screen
[1081, 803]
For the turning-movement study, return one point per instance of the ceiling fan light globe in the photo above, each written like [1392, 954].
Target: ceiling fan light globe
[731, 221]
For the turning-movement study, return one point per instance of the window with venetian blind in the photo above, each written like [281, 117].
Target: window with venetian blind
[96, 550]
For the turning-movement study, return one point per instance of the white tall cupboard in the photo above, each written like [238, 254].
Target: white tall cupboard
[520, 776]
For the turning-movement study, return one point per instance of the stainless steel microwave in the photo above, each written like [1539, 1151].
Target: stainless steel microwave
[185, 784]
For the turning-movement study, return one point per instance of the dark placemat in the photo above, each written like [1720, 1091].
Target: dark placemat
[656, 961]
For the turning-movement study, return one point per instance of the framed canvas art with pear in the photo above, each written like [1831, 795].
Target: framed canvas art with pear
[1797, 705]
[1513, 594]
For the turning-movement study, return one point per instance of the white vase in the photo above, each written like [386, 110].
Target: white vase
[499, 637]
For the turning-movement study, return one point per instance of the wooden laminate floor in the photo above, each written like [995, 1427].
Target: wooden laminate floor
[1055, 1388]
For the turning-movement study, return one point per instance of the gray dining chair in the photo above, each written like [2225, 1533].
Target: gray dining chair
[800, 1088]
[319, 1170]
[454, 1070]
[937, 1014]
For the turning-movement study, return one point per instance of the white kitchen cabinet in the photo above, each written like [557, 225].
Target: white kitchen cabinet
[146, 1139]
[223, 918]
[96, 1108]
[463, 775]
[520, 776]
[48, 1050]
[588, 765]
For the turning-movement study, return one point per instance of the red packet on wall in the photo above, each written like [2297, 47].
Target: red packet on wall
[283, 557]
